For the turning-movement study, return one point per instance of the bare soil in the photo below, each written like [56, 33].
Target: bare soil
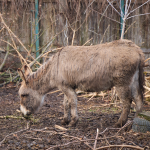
[41, 132]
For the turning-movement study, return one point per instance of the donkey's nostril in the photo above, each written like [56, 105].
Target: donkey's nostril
[28, 113]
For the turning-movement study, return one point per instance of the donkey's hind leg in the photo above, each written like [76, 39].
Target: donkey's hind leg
[124, 94]
[67, 114]
[137, 93]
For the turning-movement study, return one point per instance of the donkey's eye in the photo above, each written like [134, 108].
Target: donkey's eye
[24, 95]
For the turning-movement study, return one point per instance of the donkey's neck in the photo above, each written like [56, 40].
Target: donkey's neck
[41, 79]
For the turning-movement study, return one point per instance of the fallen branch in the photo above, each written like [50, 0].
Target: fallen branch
[54, 92]
[127, 124]
[148, 78]
[79, 141]
[14, 117]
[3, 63]
[2, 84]
[12, 134]
[62, 145]
[146, 96]
[127, 146]
[96, 139]
[60, 128]
[33, 138]
[91, 94]
[106, 140]
[105, 105]
[147, 88]
[101, 133]
[95, 94]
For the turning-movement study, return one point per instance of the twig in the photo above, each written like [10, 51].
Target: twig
[60, 94]
[108, 129]
[54, 92]
[137, 8]
[106, 140]
[147, 59]
[51, 51]
[96, 139]
[147, 88]
[128, 7]
[16, 38]
[92, 96]
[127, 146]
[79, 140]
[87, 41]
[10, 76]
[32, 138]
[129, 27]
[32, 63]
[74, 31]
[62, 145]
[1, 66]
[9, 87]
[2, 84]
[2, 29]
[14, 117]
[127, 124]
[138, 15]
[60, 128]
[146, 96]
[15, 48]
[148, 78]
[105, 105]
[104, 33]
[106, 16]
[89, 6]
[12, 134]
[114, 8]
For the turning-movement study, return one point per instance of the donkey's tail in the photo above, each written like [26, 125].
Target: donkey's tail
[141, 75]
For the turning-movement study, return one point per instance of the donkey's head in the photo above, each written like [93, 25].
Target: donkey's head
[30, 99]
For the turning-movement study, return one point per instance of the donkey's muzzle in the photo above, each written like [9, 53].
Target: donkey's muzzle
[27, 116]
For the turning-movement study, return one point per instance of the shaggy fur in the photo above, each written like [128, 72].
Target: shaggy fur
[88, 68]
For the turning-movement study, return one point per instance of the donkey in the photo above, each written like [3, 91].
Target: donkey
[88, 68]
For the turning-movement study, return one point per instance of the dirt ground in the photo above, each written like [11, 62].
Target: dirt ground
[43, 130]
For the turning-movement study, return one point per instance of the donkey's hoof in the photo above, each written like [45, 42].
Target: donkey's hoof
[73, 122]
[65, 121]
[119, 124]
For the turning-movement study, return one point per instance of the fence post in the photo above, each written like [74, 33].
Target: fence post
[36, 28]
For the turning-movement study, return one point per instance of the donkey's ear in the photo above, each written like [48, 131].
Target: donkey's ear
[20, 72]
[27, 70]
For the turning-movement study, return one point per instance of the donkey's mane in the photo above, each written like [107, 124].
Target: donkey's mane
[39, 73]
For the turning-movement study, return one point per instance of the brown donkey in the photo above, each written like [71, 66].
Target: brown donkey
[87, 68]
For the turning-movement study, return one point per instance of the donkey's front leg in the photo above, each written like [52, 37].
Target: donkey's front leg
[74, 113]
[67, 114]
[72, 103]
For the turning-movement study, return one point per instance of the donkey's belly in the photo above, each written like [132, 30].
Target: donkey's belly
[94, 86]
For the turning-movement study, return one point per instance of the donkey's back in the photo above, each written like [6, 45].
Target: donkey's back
[99, 67]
